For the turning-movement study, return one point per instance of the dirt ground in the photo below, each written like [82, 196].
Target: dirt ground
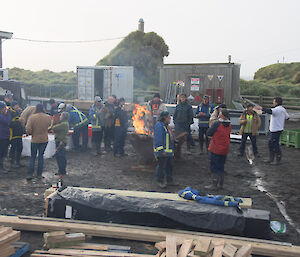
[17, 196]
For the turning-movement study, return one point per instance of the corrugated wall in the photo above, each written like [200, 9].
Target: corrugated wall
[230, 82]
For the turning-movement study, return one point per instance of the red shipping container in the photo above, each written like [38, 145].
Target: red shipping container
[210, 93]
[219, 95]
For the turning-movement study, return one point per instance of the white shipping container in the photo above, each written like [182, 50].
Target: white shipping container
[104, 81]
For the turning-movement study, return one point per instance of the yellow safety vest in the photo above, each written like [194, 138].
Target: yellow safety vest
[167, 149]
[248, 126]
[81, 116]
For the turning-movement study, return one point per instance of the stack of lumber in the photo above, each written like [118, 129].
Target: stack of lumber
[206, 247]
[60, 239]
[7, 238]
[146, 234]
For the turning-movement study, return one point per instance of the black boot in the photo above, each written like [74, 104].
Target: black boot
[221, 179]
[271, 157]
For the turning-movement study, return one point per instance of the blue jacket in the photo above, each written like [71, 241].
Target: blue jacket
[163, 140]
[77, 118]
[96, 119]
[221, 200]
[4, 125]
[208, 110]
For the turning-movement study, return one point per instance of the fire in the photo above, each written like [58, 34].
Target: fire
[139, 119]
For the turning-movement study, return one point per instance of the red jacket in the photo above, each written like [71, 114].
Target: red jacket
[220, 132]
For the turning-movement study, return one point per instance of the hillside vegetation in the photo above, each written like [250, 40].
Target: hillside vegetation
[282, 79]
[46, 83]
[145, 52]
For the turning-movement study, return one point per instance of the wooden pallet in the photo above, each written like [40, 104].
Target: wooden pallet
[7, 238]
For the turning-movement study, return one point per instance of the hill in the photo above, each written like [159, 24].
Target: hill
[144, 51]
[282, 79]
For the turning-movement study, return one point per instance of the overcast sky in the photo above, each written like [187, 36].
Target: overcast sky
[255, 32]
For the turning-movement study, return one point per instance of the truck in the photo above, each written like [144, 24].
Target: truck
[104, 81]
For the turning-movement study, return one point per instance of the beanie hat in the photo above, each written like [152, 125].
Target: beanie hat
[164, 114]
[156, 95]
[98, 99]
[2, 104]
[39, 107]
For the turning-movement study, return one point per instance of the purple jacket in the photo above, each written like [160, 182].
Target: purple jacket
[4, 125]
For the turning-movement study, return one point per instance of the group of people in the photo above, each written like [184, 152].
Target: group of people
[109, 119]
[214, 129]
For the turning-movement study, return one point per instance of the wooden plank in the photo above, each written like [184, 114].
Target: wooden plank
[96, 253]
[171, 246]
[99, 247]
[6, 250]
[9, 238]
[202, 247]
[247, 202]
[218, 248]
[55, 236]
[245, 251]
[185, 248]
[229, 250]
[4, 231]
[147, 234]
[160, 245]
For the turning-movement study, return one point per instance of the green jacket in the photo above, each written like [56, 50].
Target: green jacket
[61, 132]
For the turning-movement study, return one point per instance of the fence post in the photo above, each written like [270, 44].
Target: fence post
[260, 100]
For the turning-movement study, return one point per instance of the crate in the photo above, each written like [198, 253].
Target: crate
[290, 137]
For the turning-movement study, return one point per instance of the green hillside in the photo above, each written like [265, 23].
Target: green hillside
[282, 79]
[144, 51]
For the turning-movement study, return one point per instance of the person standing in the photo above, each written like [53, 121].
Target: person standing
[54, 107]
[121, 126]
[278, 117]
[163, 150]
[25, 115]
[155, 107]
[250, 123]
[219, 147]
[183, 118]
[16, 134]
[109, 112]
[37, 126]
[96, 119]
[80, 123]
[215, 115]
[8, 98]
[5, 119]
[204, 111]
[61, 131]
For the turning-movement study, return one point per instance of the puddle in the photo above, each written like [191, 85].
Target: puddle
[259, 184]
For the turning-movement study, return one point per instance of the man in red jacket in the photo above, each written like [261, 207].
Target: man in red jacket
[219, 147]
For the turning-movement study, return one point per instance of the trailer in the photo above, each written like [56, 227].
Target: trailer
[104, 81]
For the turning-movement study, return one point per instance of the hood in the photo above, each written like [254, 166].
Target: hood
[226, 123]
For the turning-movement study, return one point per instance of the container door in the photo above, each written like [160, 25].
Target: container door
[210, 93]
[85, 81]
[219, 95]
[98, 82]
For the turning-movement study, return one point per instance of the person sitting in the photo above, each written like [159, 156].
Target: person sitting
[37, 126]
[250, 123]
[61, 139]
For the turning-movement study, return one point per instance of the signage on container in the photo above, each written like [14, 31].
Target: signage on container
[195, 84]
[220, 77]
[210, 77]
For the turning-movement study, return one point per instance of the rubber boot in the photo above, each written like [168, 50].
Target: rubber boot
[221, 179]
[276, 160]
[271, 157]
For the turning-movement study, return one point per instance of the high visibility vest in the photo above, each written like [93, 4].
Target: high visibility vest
[166, 148]
[248, 126]
[81, 116]
[97, 122]
[14, 119]
[205, 121]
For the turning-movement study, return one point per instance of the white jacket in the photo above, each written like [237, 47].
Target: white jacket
[278, 117]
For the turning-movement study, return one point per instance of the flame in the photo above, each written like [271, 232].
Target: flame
[138, 118]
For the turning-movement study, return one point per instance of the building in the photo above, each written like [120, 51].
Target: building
[221, 81]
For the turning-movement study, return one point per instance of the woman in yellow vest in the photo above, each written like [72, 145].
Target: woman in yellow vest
[250, 123]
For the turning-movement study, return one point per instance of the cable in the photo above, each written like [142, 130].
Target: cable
[66, 41]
